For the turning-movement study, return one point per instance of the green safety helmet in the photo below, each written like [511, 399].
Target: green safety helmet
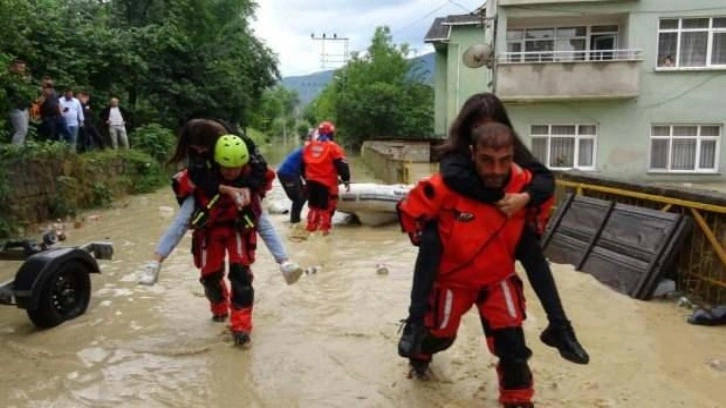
[231, 151]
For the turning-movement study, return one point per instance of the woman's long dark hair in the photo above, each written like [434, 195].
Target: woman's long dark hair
[478, 108]
[199, 132]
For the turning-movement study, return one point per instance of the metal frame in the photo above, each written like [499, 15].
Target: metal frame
[696, 210]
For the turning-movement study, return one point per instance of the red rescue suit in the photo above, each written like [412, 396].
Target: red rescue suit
[323, 162]
[476, 268]
[220, 229]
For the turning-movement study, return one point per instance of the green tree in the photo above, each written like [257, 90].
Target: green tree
[380, 93]
[278, 112]
[166, 60]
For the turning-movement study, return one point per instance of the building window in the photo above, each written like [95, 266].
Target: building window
[692, 42]
[684, 148]
[578, 43]
[564, 147]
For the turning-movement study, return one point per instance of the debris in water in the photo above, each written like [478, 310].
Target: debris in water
[709, 317]
[312, 269]
[381, 269]
[605, 403]
[718, 365]
[277, 207]
[685, 302]
[664, 288]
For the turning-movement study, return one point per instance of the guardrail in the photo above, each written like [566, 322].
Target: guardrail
[526, 57]
[701, 265]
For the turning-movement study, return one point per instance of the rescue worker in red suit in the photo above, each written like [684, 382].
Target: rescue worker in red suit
[477, 263]
[221, 228]
[323, 162]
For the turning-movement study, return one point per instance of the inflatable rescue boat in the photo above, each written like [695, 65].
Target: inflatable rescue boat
[372, 204]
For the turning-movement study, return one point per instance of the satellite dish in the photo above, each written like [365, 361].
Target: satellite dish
[477, 56]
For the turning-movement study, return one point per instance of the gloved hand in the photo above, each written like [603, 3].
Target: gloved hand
[149, 273]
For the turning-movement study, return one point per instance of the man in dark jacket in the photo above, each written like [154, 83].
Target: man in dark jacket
[53, 126]
[90, 138]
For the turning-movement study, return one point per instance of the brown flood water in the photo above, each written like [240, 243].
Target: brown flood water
[329, 340]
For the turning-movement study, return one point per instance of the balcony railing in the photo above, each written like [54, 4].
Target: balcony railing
[529, 57]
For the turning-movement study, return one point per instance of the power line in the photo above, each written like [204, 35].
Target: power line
[461, 7]
[407, 26]
[684, 92]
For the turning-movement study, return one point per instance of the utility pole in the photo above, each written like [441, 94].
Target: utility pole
[489, 20]
[337, 58]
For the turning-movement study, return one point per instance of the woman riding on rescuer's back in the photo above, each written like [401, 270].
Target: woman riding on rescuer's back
[457, 171]
[196, 143]
[222, 228]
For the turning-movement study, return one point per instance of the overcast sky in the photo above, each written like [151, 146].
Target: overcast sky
[286, 25]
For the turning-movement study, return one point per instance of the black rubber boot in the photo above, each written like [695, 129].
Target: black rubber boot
[240, 338]
[410, 342]
[562, 337]
[219, 318]
[419, 369]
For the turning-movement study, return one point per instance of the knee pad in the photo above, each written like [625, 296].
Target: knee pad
[212, 286]
[240, 278]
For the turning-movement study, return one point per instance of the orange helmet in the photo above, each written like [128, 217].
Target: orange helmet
[326, 128]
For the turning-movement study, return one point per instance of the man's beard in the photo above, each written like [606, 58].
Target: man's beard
[494, 181]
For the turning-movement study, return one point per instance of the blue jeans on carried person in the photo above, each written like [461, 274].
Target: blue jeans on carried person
[173, 235]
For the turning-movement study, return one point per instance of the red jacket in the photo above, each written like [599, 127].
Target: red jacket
[220, 209]
[478, 240]
[319, 158]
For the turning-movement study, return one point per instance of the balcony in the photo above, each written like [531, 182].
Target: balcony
[505, 3]
[568, 75]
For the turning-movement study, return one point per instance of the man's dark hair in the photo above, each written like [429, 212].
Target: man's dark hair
[493, 135]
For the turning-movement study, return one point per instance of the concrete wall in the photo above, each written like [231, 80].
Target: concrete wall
[415, 151]
[568, 80]
[666, 97]
[396, 162]
[462, 81]
[440, 91]
[383, 166]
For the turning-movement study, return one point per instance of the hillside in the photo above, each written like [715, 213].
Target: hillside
[309, 86]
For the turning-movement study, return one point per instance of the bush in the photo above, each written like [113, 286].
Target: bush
[40, 181]
[258, 137]
[153, 139]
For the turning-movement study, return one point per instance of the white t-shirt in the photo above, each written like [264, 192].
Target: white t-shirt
[72, 111]
[114, 117]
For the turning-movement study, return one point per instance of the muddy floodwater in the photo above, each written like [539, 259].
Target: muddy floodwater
[329, 340]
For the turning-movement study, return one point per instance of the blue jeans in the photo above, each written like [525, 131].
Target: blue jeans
[73, 130]
[173, 235]
[55, 128]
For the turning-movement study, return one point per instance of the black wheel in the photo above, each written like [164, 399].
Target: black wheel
[64, 296]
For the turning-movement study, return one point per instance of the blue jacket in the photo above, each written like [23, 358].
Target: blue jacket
[292, 165]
